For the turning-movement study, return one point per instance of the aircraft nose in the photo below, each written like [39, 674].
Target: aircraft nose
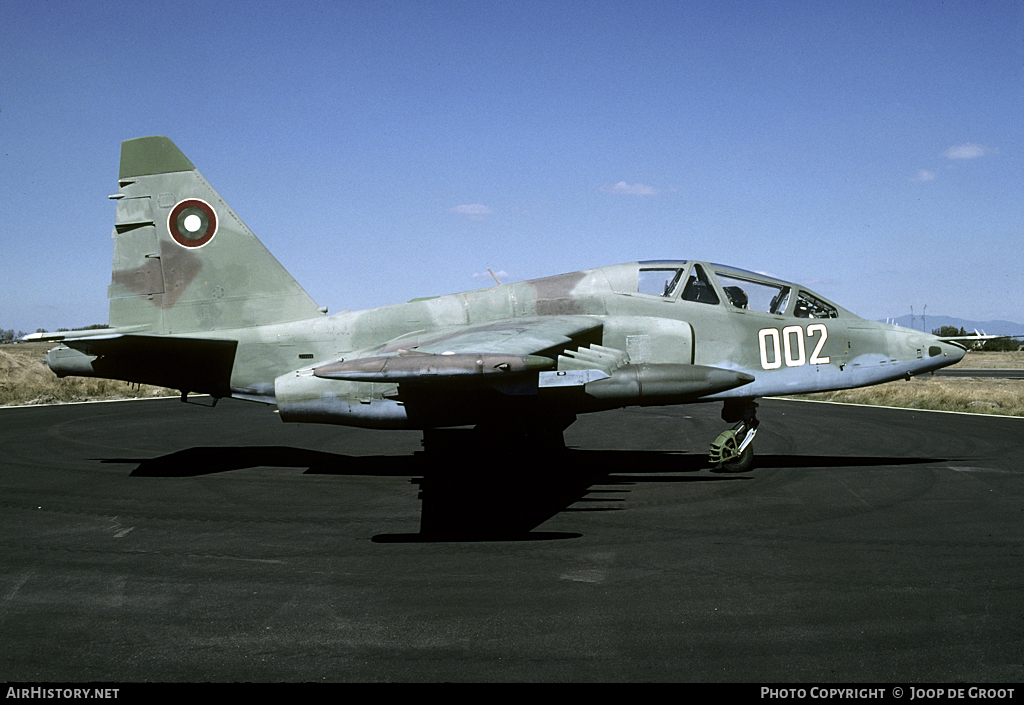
[944, 353]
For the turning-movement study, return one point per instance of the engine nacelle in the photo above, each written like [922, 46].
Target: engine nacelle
[305, 398]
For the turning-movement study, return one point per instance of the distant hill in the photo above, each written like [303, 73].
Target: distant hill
[989, 327]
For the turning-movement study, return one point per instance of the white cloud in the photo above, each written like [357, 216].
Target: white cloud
[968, 150]
[923, 175]
[631, 189]
[473, 211]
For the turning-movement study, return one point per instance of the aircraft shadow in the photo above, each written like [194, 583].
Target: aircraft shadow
[210, 460]
[471, 497]
[837, 461]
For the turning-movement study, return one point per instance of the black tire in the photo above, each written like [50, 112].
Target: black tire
[742, 463]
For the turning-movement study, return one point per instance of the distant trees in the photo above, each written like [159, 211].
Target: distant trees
[94, 326]
[1002, 345]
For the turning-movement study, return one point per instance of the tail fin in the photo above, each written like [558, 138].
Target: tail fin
[183, 261]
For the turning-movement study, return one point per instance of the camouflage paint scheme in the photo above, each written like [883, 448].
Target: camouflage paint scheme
[197, 303]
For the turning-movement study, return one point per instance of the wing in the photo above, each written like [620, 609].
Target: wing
[976, 338]
[487, 350]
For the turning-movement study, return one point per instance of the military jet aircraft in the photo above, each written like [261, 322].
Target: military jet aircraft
[198, 304]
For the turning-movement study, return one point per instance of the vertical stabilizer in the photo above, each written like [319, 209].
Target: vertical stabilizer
[183, 261]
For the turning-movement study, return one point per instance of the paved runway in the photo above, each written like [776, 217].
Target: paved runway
[986, 373]
[156, 541]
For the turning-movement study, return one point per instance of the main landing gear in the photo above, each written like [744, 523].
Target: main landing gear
[732, 451]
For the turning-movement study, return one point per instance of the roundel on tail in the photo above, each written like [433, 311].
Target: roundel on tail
[192, 223]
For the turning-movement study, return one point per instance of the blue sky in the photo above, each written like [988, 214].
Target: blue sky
[389, 150]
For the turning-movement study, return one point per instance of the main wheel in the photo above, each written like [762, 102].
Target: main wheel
[740, 463]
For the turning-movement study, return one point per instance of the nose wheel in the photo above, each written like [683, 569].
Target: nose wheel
[732, 451]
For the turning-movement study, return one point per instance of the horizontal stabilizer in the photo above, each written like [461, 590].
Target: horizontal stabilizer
[187, 364]
[69, 336]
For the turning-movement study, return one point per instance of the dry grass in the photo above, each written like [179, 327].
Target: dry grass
[992, 361]
[1004, 397]
[25, 379]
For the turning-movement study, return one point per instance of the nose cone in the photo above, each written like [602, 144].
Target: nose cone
[921, 352]
[941, 353]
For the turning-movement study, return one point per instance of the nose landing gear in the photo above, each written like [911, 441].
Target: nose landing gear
[731, 451]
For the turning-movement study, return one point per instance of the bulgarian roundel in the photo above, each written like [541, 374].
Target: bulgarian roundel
[192, 223]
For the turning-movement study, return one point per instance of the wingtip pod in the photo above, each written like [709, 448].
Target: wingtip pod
[145, 156]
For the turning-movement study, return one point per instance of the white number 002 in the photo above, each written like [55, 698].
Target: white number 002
[789, 346]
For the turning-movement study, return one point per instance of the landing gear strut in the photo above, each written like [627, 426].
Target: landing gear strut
[731, 451]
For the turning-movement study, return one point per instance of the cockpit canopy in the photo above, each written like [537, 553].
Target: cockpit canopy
[714, 284]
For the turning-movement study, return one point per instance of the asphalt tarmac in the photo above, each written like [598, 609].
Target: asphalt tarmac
[157, 541]
[986, 373]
